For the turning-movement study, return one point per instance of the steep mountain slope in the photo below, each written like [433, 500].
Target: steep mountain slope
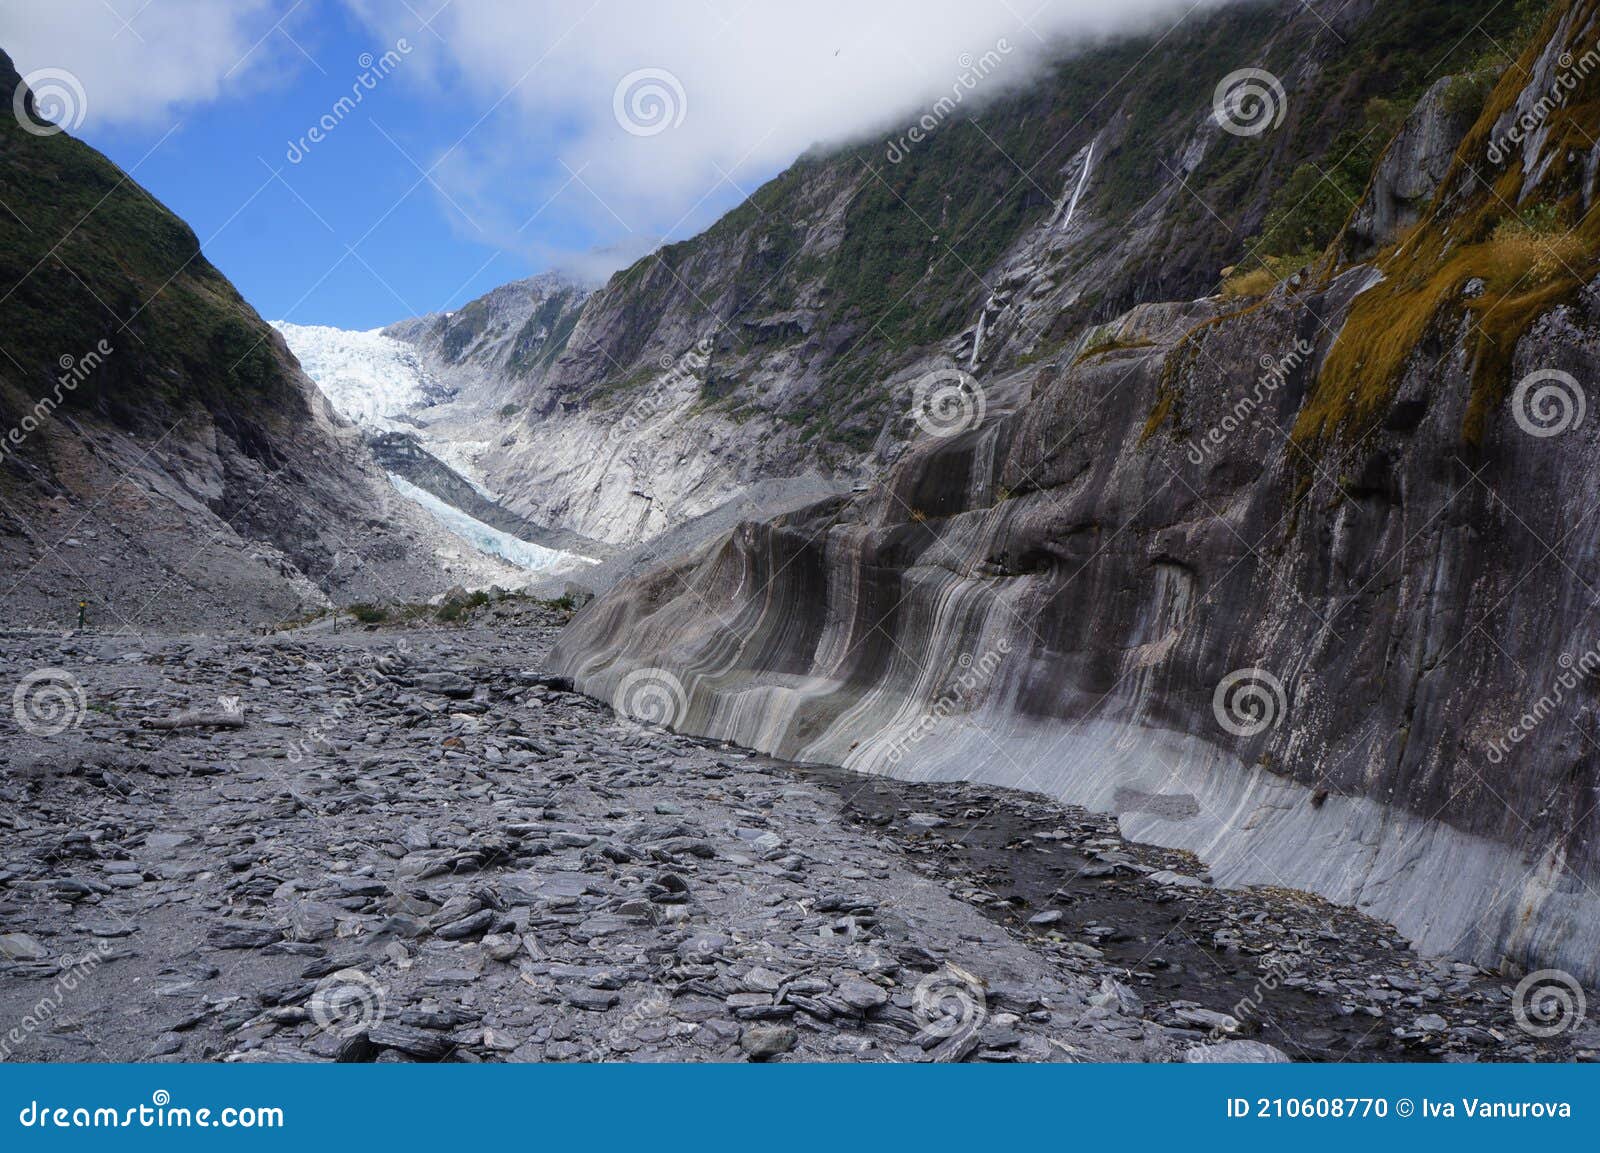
[476, 363]
[788, 337]
[165, 458]
[513, 333]
[1305, 583]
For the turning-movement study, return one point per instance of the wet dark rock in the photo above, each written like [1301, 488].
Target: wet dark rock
[470, 926]
[423, 1044]
[591, 1000]
[1394, 491]
[243, 935]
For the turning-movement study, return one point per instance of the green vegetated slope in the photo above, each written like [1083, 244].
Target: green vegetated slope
[922, 236]
[87, 255]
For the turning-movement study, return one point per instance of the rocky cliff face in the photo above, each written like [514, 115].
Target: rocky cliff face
[164, 457]
[505, 338]
[787, 339]
[1302, 583]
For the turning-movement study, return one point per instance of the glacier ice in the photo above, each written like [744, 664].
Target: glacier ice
[486, 538]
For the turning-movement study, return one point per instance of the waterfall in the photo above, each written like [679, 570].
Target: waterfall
[1083, 179]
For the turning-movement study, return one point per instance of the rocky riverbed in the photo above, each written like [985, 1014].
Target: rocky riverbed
[414, 844]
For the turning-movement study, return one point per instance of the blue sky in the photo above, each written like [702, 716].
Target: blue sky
[503, 137]
[356, 233]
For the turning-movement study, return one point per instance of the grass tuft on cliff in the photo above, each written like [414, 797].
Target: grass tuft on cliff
[1488, 254]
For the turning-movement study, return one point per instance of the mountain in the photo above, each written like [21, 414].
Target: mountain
[1292, 570]
[165, 458]
[784, 342]
[510, 334]
[447, 375]
[428, 435]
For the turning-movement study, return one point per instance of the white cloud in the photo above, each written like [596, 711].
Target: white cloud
[744, 88]
[140, 62]
[547, 169]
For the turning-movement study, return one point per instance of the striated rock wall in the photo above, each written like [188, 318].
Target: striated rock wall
[1330, 631]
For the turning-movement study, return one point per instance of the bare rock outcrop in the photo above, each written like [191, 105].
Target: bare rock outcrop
[1301, 585]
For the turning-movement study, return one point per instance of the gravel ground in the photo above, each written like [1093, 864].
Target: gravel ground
[419, 846]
